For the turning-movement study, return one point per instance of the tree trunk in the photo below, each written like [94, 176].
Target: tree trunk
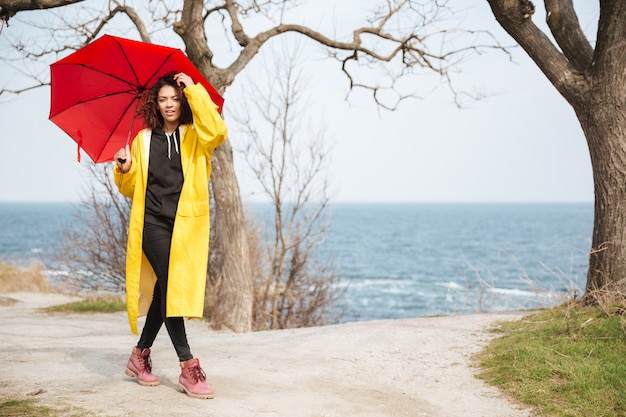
[233, 308]
[604, 122]
[593, 81]
[235, 297]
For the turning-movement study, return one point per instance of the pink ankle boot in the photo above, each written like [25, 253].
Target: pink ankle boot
[140, 366]
[192, 380]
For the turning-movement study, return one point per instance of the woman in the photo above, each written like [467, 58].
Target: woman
[167, 176]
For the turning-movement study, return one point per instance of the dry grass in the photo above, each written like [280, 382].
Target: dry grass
[23, 279]
[610, 299]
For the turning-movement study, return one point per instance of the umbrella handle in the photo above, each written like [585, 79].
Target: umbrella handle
[132, 121]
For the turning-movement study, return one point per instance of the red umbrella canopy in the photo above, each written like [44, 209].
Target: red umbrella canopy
[96, 90]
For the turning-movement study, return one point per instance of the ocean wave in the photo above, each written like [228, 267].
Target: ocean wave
[514, 292]
[452, 285]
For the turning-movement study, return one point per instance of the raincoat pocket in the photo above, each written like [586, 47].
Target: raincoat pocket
[193, 208]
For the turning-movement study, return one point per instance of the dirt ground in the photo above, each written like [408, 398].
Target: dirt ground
[409, 367]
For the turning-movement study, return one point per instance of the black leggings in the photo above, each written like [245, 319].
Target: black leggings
[156, 246]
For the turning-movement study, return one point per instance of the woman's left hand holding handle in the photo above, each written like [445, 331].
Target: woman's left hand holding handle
[123, 159]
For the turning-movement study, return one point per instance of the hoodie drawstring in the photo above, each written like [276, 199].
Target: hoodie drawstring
[169, 143]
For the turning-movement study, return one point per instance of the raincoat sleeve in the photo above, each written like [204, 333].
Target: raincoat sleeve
[207, 121]
[126, 181]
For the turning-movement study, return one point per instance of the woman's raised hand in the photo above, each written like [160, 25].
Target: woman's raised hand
[183, 80]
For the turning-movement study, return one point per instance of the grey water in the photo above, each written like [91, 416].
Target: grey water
[402, 260]
[407, 260]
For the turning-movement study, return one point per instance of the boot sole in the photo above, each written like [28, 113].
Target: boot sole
[139, 381]
[182, 388]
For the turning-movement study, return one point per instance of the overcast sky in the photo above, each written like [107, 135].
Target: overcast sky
[522, 143]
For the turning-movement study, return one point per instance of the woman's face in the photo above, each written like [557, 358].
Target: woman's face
[168, 100]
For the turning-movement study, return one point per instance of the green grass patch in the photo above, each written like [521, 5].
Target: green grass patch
[30, 408]
[91, 305]
[561, 362]
[25, 408]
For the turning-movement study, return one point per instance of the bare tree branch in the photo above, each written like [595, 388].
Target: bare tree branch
[516, 18]
[396, 36]
[22, 90]
[85, 32]
[8, 8]
[293, 290]
[609, 54]
[134, 17]
[564, 25]
[374, 44]
[93, 254]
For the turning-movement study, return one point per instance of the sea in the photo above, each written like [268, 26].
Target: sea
[400, 260]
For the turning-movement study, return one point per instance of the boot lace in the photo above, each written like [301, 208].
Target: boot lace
[145, 361]
[197, 374]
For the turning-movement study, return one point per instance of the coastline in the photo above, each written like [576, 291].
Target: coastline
[400, 367]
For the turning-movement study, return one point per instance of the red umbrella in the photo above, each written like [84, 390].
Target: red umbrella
[95, 91]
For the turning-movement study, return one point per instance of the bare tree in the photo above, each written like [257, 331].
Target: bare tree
[401, 37]
[593, 81]
[94, 252]
[289, 159]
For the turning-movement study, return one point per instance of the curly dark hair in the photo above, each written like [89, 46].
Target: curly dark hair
[148, 110]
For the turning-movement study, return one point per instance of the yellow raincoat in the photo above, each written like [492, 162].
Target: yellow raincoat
[189, 250]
